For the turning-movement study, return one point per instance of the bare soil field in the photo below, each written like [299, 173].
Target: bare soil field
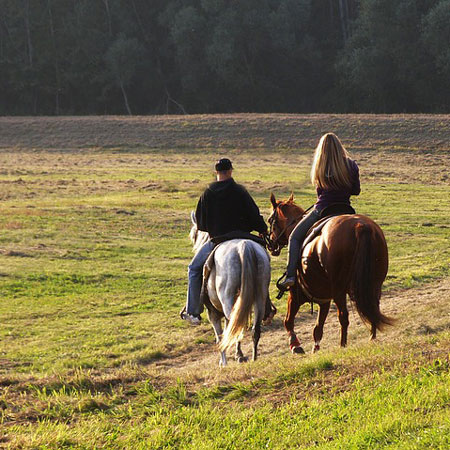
[234, 131]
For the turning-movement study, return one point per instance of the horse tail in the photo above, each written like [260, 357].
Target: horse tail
[365, 291]
[240, 314]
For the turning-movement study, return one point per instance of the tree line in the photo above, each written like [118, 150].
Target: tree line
[215, 56]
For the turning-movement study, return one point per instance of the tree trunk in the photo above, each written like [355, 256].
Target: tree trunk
[125, 98]
[55, 53]
[108, 14]
[168, 97]
[28, 32]
[139, 21]
[343, 9]
[347, 18]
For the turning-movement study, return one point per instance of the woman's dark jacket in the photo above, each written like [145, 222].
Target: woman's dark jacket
[326, 197]
[226, 206]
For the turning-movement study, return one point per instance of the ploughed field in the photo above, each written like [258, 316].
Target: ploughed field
[94, 213]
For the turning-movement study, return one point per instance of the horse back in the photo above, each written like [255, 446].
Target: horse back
[224, 268]
[328, 259]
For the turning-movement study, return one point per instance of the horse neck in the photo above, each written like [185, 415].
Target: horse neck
[294, 213]
[202, 237]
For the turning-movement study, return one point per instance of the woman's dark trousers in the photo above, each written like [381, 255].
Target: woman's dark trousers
[296, 239]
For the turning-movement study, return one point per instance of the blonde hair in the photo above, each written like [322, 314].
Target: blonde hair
[330, 169]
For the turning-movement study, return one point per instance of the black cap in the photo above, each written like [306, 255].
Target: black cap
[223, 164]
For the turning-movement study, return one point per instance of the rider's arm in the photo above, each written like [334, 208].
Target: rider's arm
[201, 214]
[356, 186]
[253, 216]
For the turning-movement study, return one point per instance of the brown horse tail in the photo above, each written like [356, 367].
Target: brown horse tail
[240, 314]
[365, 291]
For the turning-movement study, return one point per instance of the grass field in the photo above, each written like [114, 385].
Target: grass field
[94, 214]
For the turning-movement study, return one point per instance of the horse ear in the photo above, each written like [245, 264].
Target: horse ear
[291, 198]
[193, 219]
[273, 201]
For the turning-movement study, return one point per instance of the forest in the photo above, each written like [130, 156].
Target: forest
[75, 57]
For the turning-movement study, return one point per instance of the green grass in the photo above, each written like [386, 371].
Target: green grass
[397, 399]
[93, 255]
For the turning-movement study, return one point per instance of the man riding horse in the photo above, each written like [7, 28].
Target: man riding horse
[225, 211]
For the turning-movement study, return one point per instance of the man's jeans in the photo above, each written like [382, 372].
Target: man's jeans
[195, 278]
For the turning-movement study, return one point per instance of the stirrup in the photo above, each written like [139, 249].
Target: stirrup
[281, 289]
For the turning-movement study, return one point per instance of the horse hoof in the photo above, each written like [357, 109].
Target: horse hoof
[242, 359]
[315, 349]
[268, 319]
[298, 350]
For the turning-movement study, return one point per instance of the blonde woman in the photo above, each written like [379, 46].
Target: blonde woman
[336, 177]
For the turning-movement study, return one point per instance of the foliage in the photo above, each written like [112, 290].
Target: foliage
[436, 37]
[60, 56]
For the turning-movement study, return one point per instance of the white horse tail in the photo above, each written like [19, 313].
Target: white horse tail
[240, 314]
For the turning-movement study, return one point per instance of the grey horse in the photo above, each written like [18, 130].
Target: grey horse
[237, 281]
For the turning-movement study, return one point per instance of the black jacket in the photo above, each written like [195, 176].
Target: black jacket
[226, 206]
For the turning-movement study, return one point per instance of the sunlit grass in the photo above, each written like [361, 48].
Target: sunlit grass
[93, 275]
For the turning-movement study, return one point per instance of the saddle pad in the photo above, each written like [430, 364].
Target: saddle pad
[334, 210]
[315, 230]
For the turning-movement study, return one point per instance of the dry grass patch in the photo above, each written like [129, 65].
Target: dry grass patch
[243, 131]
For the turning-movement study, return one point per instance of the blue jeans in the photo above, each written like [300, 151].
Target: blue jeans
[296, 240]
[195, 279]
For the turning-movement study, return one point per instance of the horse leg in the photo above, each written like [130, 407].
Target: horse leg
[256, 333]
[292, 309]
[318, 329]
[259, 313]
[270, 311]
[239, 356]
[341, 303]
[216, 322]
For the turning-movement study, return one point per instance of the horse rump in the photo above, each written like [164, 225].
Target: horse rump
[365, 282]
[250, 293]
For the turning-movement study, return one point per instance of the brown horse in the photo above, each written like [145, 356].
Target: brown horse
[349, 257]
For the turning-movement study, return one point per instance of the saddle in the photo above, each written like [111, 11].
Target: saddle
[238, 235]
[207, 267]
[336, 209]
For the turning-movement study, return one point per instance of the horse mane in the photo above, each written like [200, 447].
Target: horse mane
[198, 238]
[291, 205]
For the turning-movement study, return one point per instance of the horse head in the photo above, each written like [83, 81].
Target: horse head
[285, 215]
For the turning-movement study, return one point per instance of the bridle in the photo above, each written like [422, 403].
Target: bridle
[276, 245]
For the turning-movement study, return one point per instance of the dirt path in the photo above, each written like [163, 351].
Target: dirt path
[419, 311]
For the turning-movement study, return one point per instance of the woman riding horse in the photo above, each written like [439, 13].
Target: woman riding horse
[349, 256]
[336, 177]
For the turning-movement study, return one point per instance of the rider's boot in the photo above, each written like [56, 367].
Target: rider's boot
[286, 283]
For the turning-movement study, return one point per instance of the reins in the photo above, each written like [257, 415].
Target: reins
[274, 244]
